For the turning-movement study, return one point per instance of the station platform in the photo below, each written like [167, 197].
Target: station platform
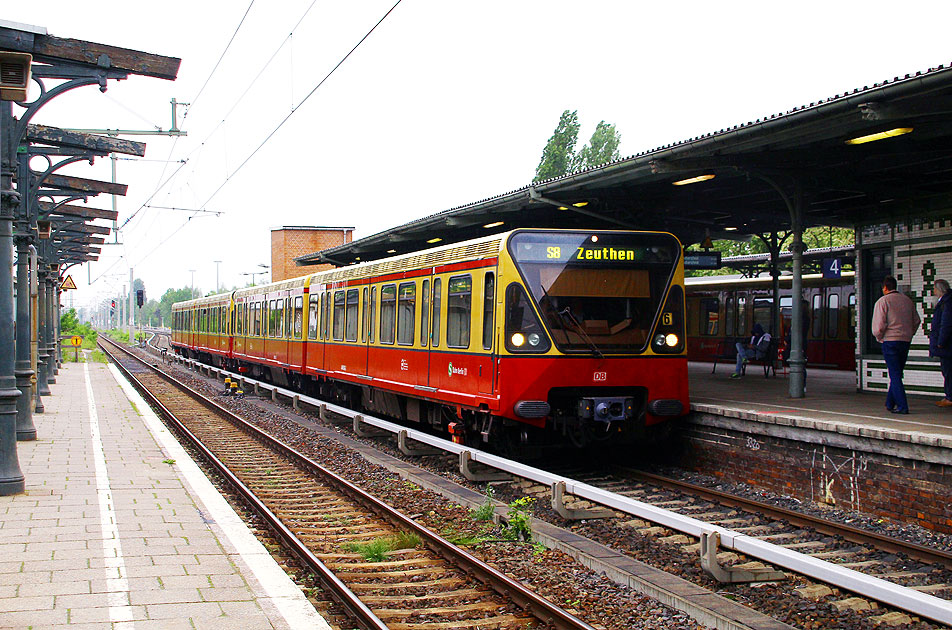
[832, 403]
[118, 528]
[836, 446]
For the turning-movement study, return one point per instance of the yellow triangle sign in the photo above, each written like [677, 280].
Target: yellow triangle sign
[68, 284]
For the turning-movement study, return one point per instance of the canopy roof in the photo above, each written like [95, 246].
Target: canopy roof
[759, 167]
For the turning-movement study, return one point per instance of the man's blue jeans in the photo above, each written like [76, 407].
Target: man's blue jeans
[743, 353]
[895, 353]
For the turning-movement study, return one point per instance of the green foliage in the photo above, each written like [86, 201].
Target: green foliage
[601, 149]
[70, 325]
[169, 298]
[519, 520]
[559, 152]
[487, 510]
[378, 549]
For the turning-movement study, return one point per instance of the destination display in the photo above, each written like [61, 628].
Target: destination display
[590, 249]
[702, 260]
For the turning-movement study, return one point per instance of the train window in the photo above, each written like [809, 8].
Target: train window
[365, 321]
[352, 315]
[373, 312]
[320, 316]
[406, 313]
[832, 315]
[313, 303]
[489, 295]
[339, 299]
[709, 314]
[298, 316]
[729, 316]
[524, 332]
[238, 320]
[437, 300]
[288, 318]
[459, 311]
[851, 302]
[741, 315]
[279, 326]
[763, 312]
[817, 316]
[388, 312]
[327, 314]
[424, 312]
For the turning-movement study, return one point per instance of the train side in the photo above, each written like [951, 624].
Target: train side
[721, 307]
[498, 338]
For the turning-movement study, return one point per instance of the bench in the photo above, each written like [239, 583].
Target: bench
[727, 351]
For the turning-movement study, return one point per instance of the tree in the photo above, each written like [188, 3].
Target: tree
[169, 298]
[558, 156]
[601, 149]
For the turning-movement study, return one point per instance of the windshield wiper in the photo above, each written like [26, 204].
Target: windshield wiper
[567, 313]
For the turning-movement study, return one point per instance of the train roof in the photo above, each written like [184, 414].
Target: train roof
[738, 280]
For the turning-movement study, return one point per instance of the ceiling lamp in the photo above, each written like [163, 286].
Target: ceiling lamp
[492, 225]
[693, 180]
[730, 229]
[435, 240]
[882, 135]
[391, 251]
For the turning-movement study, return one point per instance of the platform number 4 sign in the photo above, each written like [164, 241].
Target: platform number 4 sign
[832, 267]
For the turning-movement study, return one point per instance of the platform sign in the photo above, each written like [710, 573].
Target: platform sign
[702, 260]
[68, 284]
[832, 267]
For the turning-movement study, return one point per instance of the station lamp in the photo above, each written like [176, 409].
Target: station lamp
[882, 135]
[435, 240]
[693, 180]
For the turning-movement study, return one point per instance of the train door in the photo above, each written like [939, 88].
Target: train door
[365, 329]
[877, 264]
[486, 370]
[436, 320]
[426, 291]
[817, 350]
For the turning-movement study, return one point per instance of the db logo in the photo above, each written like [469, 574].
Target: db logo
[600, 376]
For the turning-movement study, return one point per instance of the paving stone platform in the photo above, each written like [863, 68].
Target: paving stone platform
[118, 528]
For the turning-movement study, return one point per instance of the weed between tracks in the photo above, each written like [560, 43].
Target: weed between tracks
[379, 549]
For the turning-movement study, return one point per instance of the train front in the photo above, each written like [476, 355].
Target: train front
[594, 338]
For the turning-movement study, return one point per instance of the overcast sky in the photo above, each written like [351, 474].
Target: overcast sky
[444, 104]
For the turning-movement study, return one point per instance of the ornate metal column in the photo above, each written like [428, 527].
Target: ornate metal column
[11, 477]
[52, 311]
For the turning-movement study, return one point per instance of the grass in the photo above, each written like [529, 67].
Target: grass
[378, 549]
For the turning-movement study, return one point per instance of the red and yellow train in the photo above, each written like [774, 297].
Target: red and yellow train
[722, 307]
[519, 337]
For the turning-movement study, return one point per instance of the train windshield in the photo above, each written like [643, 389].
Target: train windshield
[597, 292]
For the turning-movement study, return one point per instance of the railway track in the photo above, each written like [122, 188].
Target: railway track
[920, 569]
[385, 569]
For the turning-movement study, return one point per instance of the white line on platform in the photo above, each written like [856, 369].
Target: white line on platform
[117, 587]
[287, 597]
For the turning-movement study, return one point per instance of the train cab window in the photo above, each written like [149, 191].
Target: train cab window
[729, 316]
[313, 303]
[437, 301]
[459, 311]
[741, 315]
[339, 299]
[817, 315]
[709, 313]
[406, 313]
[489, 297]
[832, 315]
[763, 313]
[352, 314]
[424, 312]
[388, 312]
[851, 304]
[365, 321]
[298, 316]
[372, 322]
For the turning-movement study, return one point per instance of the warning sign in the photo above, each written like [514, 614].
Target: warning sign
[68, 284]
[76, 340]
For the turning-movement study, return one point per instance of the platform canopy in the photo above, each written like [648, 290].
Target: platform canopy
[826, 151]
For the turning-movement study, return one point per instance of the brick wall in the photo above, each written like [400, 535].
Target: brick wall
[900, 489]
[287, 243]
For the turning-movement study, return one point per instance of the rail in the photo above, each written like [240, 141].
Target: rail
[890, 593]
[537, 605]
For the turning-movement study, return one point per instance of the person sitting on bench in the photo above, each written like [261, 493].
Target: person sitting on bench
[756, 349]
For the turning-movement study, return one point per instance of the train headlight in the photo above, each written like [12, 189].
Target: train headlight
[518, 340]
[659, 340]
[534, 339]
[671, 340]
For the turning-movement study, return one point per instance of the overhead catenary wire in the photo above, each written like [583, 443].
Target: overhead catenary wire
[223, 53]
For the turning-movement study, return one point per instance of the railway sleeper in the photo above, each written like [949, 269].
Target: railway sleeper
[733, 574]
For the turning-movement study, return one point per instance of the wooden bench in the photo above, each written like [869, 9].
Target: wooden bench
[768, 361]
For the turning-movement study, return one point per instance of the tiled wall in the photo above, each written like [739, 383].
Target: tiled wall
[922, 253]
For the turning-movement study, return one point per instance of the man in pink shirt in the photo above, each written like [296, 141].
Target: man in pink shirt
[895, 321]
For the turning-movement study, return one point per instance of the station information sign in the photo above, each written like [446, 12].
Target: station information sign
[832, 267]
[702, 260]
